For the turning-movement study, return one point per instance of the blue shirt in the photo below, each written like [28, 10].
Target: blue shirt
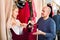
[48, 26]
[57, 20]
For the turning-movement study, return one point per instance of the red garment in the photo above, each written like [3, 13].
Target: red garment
[34, 11]
[24, 13]
[25, 36]
[52, 13]
[28, 35]
[33, 37]
[15, 36]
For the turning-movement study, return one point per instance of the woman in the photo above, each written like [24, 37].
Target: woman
[15, 27]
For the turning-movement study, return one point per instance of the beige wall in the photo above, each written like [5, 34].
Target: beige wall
[5, 12]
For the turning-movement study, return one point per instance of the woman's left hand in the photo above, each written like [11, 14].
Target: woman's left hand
[24, 25]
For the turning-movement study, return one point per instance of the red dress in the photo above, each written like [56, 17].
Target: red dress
[25, 36]
[24, 13]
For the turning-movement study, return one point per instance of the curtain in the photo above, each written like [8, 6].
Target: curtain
[8, 12]
[37, 7]
[5, 13]
[0, 26]
[8, 8]
[2, 20]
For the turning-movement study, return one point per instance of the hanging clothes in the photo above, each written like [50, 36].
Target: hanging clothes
[52, 12]
[24, 13]
[37, 8]
[33, 13]
[33, 8]
[30, 6]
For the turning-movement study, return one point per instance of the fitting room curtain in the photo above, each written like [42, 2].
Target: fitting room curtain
[5, 12]
[37, 7]
[2, 20]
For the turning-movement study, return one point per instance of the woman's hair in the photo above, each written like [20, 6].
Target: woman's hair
[14, 7]
[10, 18]
[49, 5]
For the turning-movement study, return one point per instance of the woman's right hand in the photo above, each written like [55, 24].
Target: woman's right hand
[24, 25]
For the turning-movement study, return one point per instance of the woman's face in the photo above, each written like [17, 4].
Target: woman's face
[15, 12]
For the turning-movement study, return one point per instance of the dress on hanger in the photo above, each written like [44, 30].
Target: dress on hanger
[24, 13]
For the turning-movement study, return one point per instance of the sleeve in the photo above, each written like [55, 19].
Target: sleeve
[52, 33]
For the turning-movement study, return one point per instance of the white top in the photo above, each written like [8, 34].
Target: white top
[17, 29]
[22, 0]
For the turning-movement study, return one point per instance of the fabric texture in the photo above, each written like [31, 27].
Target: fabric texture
[24, 13]
[25, 36]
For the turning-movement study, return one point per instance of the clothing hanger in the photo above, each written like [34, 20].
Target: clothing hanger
[19, 3]
[28, 0]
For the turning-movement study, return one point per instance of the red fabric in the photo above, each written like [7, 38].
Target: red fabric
[16, 37]
[52, 13]
[28, 35]
[25, 36]
[34, 11]
[24, 13]
[33, 37]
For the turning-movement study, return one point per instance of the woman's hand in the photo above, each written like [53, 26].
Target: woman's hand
[24, 25]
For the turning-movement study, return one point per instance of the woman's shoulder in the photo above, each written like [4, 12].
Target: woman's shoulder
[18, 22]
